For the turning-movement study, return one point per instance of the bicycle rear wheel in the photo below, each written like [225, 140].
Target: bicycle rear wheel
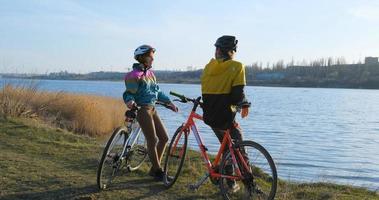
[112, 159]
[259, 181]
[175, 156]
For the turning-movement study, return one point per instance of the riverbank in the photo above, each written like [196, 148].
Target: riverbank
[39, 161]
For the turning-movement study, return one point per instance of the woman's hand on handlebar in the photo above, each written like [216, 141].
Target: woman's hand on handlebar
[131, 113]
[169, 105]
[172, 107]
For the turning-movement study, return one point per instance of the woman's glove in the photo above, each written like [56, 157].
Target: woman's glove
[130, 104]
[173, 107]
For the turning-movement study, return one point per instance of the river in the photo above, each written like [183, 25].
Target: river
[313, 134]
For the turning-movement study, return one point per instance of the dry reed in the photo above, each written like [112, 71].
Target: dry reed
[85, 114]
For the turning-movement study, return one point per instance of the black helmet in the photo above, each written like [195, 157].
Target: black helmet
[227, 42]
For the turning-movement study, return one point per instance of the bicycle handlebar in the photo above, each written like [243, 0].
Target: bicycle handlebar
[185, 99]
[244, 104]
[177, 95]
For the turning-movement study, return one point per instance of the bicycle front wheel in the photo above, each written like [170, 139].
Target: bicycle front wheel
[175, 156]
[112, 158]
[259, 180]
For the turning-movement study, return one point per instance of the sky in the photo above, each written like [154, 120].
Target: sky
[42, 36]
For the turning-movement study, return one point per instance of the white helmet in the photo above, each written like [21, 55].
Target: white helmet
[142, 50]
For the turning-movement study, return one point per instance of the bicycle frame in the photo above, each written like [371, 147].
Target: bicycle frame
[226, 143]
[132, 136]
[134, 133]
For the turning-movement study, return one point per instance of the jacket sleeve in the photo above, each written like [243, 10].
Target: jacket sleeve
[131, 85]
[237, 94]
[162, 96]
[240, 77]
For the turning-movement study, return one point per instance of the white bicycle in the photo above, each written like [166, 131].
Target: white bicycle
[125, 149]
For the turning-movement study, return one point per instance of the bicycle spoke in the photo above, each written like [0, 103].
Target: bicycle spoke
[137, 154]
[175, 157]
[112, 160]
[259, 180]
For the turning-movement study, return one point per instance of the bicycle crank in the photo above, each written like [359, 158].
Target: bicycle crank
[197, 185]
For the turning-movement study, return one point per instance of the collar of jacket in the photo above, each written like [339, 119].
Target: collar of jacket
[140, 67]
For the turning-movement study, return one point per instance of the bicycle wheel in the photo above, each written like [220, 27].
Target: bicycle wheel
[111, 160]
[259, 182]
[136, 152]
[175, 156]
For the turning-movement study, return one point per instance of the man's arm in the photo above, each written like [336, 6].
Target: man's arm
[237, 95]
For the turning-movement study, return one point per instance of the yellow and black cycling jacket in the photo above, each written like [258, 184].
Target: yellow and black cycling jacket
[222, 84]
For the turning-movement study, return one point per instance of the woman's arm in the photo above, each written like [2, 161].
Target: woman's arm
[163, 97]
[131, 85]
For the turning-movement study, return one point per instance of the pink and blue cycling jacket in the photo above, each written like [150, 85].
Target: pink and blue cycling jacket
[141, 86]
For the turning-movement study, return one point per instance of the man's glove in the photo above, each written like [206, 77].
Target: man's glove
[244, 112]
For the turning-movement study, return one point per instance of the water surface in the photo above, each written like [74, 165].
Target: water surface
[313, 134]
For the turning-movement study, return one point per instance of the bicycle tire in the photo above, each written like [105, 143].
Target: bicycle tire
[226, 158]
[168, 183]
[117, 131]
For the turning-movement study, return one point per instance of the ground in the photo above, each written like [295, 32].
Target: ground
[38, 161]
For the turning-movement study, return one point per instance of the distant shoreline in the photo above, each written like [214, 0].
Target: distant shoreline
[321, 73]
[302, 85]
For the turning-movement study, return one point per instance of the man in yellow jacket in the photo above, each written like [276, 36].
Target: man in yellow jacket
[222, 87]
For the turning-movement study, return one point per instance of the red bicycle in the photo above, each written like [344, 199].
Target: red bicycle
[246, 163]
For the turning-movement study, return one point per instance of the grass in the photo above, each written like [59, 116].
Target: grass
[84, 114]
[42, 162]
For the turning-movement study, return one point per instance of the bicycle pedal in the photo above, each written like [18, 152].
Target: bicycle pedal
[192, 187]
[142, 151]
[128, 170]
